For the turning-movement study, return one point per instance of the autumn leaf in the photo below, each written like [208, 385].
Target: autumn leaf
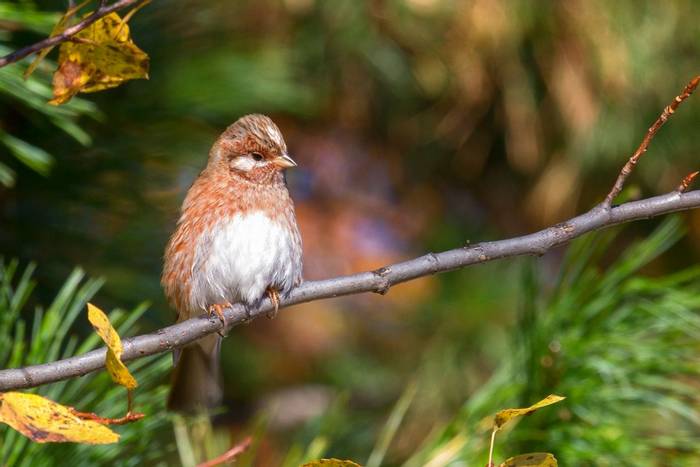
[506, 415]
[535, 459]
[101, 56]
[331, 463]
[45, 421]
[116, 368]
[58, 29]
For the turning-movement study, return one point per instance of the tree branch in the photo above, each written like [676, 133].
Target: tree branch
[102, 10]
[378, 281]
[382, 279]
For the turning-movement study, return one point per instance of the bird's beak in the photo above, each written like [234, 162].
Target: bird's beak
[284, 161]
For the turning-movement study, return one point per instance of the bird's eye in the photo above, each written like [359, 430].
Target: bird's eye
[256, 156]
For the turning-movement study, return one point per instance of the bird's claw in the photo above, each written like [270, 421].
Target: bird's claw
[218, 310]
[274, 297]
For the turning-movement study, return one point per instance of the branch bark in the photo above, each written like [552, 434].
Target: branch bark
[382, 279]
[378, 281]
[102, 10]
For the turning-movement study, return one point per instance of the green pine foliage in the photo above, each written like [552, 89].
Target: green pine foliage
[29, 96]
[48, 334]
[621, 346]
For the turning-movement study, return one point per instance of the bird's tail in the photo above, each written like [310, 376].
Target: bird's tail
[196, 385]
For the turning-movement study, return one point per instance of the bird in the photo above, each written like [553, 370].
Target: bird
[236, 241]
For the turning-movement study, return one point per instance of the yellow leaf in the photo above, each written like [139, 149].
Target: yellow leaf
[46, 421]
[118, 371]
[504, 416]
[331, 463]
[101, 56]
[58, 29]
[534, 459]
[116, 368]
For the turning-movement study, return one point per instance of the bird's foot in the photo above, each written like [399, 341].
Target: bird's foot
[274, 297]
[218, 310]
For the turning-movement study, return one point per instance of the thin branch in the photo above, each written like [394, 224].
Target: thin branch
[493, 441]
[382, 279]
[686, 182]
[102, 10]
[128, 418]
[644, 145]
[229, 455]
[378, 281]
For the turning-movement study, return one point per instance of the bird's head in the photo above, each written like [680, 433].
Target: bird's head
[252, 148]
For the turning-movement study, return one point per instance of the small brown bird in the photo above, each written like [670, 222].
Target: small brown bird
[236, 241]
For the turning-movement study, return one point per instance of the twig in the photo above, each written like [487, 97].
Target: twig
[380, 280]
[493, 441]
[229, 455]
[651, 132]
[102, 10]
[81, 40]
[129, 400]
[687, 180]
[128, 418]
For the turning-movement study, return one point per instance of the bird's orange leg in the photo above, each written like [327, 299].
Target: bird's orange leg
[274, 297]
[218, 310]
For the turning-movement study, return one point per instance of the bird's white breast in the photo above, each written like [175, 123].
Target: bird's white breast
[243, 255]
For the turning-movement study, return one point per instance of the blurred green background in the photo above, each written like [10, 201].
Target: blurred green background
[418, 125]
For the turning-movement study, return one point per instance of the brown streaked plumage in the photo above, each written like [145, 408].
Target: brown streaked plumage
[236, 240]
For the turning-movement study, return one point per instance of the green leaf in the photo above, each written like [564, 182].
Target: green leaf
[73, 130]
[33, 157]
[392, 426]
[26, 16]
[331, 463]
[7, 175]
